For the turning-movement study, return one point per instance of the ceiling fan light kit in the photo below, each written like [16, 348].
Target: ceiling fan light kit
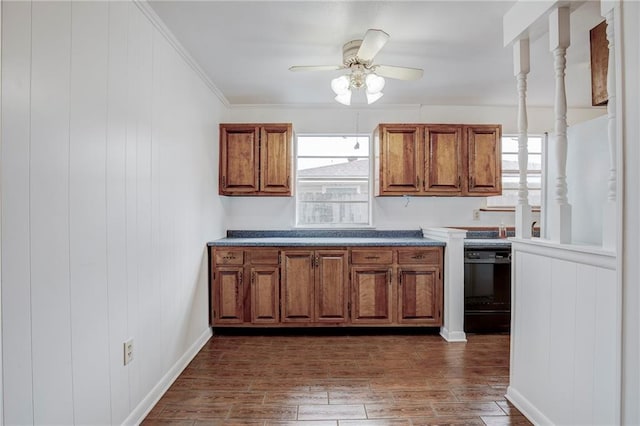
[342, 86]
[357, 57]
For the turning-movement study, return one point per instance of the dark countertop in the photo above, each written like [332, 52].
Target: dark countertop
[487, 240]
[482, 243]
[326, 238]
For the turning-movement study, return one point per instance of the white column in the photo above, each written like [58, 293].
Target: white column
[559, 38]
[452, 329]
[520, 70]
[609, 216]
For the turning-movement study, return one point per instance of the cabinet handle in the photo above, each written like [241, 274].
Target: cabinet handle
[253, 278]
[372, 257]
[240, 278]
[470, 182]
[459, 181]
[313, 261]
[418, 256]
[317, 262]
[418, 179]
[390, 274]
[224, 181]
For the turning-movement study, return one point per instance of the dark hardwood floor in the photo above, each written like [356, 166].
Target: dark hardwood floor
[358, 379]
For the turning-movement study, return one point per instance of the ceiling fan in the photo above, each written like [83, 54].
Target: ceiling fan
[357, 57]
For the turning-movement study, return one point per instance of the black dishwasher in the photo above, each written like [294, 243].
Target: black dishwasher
[487, 290]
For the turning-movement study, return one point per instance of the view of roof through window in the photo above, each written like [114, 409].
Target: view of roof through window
[332, 181]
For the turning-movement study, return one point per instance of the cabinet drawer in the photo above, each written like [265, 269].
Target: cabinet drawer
[263, 257]
[371, 256]
[229, 257]
[419, 256]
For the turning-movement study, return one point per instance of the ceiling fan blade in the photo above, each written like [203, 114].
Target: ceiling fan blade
[401, 73]
[372, 42]
[316, 68]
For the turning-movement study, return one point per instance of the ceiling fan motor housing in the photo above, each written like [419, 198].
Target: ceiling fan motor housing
[350, 52]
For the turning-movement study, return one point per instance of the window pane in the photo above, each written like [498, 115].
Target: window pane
[333, 145]
[511, 175]
[509, 144]
[333, 191]
[333, 213]
[332, 188]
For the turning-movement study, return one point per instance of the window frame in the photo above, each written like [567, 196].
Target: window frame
[370, 181]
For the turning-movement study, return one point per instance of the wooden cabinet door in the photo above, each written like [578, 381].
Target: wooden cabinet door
[443, 148]
[275, 159]
[265, 294]
[419, 295]
[484, 160]
[228, 295]
[297, 291]
[239, 155]
[401, 159]
[331, 286]
[371, 295]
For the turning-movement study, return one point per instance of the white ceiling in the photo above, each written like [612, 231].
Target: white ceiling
[246, 48]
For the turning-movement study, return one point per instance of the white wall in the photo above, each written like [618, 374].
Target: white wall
[109, 196]
[388, 212]
[587, 176]
[629, 227]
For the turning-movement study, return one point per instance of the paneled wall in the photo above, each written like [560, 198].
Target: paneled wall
[565, 348]
[108, 198]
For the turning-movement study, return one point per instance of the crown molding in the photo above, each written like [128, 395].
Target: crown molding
[159, 24]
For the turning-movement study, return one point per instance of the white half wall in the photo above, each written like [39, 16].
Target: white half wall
[109, 197]
[565, 339]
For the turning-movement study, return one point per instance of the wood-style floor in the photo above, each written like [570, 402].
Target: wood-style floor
[339, 380]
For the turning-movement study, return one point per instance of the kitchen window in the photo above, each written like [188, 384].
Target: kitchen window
[511, 173]
[333, 181]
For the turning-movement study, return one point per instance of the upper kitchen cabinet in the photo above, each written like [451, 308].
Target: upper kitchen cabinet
[401, 159]
[484, 161]
[438, 159]
[443, 160]
[255, 159]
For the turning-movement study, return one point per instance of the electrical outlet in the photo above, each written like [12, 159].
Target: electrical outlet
[476, 214]
[128, 351]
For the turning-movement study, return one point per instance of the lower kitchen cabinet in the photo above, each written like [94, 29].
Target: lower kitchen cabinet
[371, 295]
[373, 286]
[297, 303]
[419, 295]
[265, 294]
[264, 269]
[314, 286]
[228, 301]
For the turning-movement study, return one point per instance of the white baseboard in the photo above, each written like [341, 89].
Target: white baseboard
[453, 336]
[148, 402]
[529, 410]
